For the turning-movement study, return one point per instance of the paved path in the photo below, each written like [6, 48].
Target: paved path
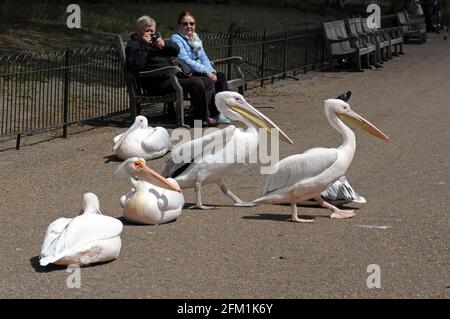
[256, 252]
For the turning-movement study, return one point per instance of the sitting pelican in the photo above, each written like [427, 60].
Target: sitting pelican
[300, 177]
[88, 238]
[235, 144]
[153, 199]
[141, 140]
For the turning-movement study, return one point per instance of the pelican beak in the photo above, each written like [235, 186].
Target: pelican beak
[354, 119]
[259, 119]
[150, 176]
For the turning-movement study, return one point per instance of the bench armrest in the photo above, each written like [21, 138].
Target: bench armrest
[341, 39]
[233, 59]
[165, 71]
[349, 37]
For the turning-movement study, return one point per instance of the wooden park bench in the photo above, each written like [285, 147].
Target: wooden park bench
[411, 30]
[370, 39]
[416, 21]
[393, 35]
[139, 98]
[339, 45]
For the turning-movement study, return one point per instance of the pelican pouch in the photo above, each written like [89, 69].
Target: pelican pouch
[186, 71]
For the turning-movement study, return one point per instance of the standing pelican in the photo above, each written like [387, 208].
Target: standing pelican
[303, 176]
[236, 145]
[141, 140]
[153, 199]
[341, 192]
[88, 238]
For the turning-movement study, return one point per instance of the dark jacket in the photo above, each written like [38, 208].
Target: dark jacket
[142, 56]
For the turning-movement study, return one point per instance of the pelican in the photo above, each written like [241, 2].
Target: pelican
[338, 194]
[235, 144]
[153, 199]
[341, 192]
[141, 140]
[300, 177]
[88, 238]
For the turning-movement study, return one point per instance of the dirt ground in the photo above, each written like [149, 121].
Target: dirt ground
[256, 252]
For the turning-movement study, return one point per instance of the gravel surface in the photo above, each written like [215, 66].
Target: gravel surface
[256, 252]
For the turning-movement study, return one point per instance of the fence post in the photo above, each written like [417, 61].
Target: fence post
[230, 51]
[322, 47]
[66, 92]
[306, 34]
[263, 57]
[285, 48]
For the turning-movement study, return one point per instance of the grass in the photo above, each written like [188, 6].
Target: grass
[121, 16]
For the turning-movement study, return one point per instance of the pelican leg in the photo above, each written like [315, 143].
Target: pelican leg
[237, 201]
[295, 214]
[198, 195]
[337, 213]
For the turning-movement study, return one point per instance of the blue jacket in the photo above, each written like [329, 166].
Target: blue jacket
[198, 61]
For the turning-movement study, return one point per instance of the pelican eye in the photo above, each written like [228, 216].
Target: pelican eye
[138, 164]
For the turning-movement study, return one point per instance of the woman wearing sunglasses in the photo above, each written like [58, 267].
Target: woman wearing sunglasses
[193, 54]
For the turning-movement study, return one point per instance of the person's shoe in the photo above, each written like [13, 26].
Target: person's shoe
[223, 119]
[210, 122]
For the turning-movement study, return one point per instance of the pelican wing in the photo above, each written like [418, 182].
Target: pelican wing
[54, 231]
[157, 139]
[296, 168]
[342, 191]
[117, 138]
[187, 153]
[69, 234]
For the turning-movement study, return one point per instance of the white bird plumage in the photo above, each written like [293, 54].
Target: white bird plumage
[141, 140]
[220, 151]
[88, 238]
[153, 199]
[300, 177]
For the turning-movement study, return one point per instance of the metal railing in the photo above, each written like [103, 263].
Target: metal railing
[269, 53]
[42, 91]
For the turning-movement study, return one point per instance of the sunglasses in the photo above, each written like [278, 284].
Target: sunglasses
[188, 23]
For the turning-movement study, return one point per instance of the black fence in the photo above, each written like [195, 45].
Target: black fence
[41, 91]
[268, 54]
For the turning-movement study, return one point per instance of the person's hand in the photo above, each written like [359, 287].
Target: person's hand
[213, 77]
[147, 37]
[160, 43]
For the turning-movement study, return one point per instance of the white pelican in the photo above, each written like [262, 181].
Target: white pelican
[341, 192]
[338, 194]
[235, 144]
[141, 140]
[88, 238]
[300, 177]
[153, 199]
